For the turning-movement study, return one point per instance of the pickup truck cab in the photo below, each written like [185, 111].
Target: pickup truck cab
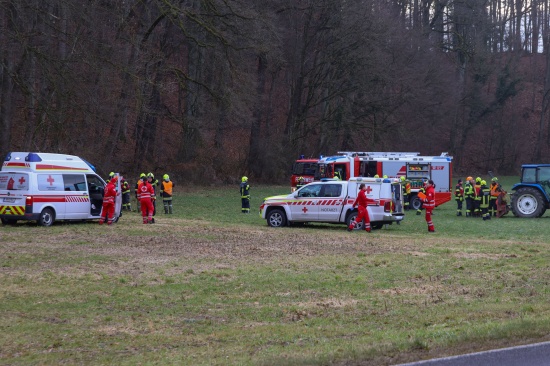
[330, 201]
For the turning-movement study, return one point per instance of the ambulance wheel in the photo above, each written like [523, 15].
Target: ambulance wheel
[415, 203]
[276, 218]
[46, 218]
[351, 218]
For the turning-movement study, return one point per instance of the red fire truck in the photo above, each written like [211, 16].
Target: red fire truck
[305, 168]
[411, 165]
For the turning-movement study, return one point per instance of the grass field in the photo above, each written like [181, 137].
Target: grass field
[210, 286]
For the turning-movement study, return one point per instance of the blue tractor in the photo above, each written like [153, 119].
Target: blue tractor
[531, 197]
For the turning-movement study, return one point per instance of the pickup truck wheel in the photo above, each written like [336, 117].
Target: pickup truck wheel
[415, 203]
[46, 218]
[528, 202]
[276, 218]
[351, 218]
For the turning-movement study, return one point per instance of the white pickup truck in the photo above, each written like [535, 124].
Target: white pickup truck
[330, 201]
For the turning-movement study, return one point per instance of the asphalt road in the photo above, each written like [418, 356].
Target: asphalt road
[537, 354]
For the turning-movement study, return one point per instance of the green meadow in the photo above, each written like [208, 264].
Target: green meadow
[211, 286]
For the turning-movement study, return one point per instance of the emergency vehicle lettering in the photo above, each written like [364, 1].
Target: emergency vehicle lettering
[12, 210]
[438, 167]
[329, 209]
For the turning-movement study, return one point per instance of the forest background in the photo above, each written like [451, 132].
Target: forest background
[209, 90]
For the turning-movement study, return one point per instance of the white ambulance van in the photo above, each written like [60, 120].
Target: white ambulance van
[46, 187]
[331, 201]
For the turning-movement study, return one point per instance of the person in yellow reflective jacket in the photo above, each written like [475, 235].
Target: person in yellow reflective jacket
[125, 187]
[484, 197]
[459, 197]
[406, 186]
[469, 195]
[245, 195]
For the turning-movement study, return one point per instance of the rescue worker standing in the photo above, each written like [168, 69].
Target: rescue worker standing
[145, 196]
[469, 196]
[245, 195]
[429, 205]
[141, 176]
[406, 186]
[125, 187]
[459, 197]
[109, 196]
[363, 213]
[484, 198]
[166, 193]
[495, 191]
[477, 197]
[154, 183]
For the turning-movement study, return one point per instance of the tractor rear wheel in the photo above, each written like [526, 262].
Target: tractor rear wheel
[528, 202]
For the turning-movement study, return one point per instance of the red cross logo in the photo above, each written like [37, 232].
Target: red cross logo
[21, 180]
[304, 209]
[369, 189]
[50, 180]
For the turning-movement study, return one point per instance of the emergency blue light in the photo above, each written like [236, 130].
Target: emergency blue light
[302, 156]
[33, 158]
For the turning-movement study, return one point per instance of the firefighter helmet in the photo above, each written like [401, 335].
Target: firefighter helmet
[478, 180]
[142, 175]
[402, 178]
[300, 179]
[150, 175]
[494, 179]
[244, 179]
[376, 176]
[165, 177]
[483, 182]
[385, 176]
[111, 174]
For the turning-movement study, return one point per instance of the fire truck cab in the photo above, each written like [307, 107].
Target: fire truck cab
[304, 168]
[45, 187]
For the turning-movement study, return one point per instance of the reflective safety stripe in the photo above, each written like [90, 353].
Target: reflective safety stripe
[12, 210]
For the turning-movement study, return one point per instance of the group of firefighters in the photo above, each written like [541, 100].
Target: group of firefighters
[481, 199]
[145, 193]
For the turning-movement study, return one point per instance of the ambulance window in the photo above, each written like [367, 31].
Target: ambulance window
[50, 182]
[74, 182]
[14, 181]
[94, 183]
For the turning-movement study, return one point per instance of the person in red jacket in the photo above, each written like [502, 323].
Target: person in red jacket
[109, 196]
[361, 201]
[145, 197]
[429, 204]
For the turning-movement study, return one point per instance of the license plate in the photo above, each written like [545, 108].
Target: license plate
[11, 200]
